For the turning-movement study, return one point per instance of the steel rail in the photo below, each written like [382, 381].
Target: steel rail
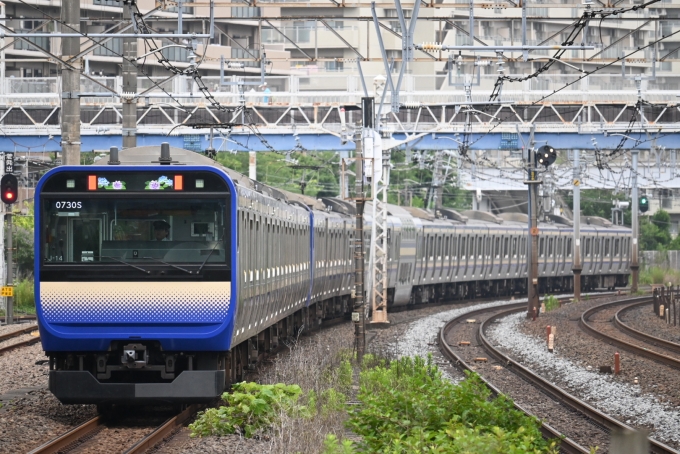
[642, 351]
[163, 431]
[18, 332]
[568, 445]
[558, 393]
[632, 332]
[70, 437]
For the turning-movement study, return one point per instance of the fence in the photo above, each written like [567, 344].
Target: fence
[665, 259]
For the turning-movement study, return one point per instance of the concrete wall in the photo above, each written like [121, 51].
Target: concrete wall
[668, 259]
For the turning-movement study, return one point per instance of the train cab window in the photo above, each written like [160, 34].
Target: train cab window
[541, 247]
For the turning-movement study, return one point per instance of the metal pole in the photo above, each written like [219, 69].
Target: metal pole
[9, 316]
[576, 268]
[634, 267]
[532, 278]
[70, 86]
[129, 87]
[358, 314]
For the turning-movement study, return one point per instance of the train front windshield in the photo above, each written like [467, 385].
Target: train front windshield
[144, 233]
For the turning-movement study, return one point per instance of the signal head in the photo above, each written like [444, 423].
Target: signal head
[9, 188]
[644, 204]
[546, 155]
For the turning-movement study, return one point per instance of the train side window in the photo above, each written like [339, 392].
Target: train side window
[454, 248]
[430, 247]
[524, 247]
[541, 247]
[447, 243]
[463, 249]
[550, 247]
[497, 248]
[596, 247]
[514, 247]
[606, 247]
[587, 247]
[439, 246]
[471, 249]
[480, 252]
[506, 247]
[617, 246]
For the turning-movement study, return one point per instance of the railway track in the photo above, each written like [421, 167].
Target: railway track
[556, 394]
[18, 333]
[86, 434]
[643, 351]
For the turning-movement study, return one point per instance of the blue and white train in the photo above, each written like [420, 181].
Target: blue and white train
[166, 279]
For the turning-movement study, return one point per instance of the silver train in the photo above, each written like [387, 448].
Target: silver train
[278, 263]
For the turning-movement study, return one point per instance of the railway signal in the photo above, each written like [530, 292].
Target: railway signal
[546, 155]
[644, 204]
[9, 188]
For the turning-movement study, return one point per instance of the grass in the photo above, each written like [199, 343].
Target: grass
[659, 275]
[24, 298]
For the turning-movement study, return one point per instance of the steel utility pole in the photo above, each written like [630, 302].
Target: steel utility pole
[9, 315]
[576, 268]
[70, 85]
[129, 86]
[634, 267]
[532, 278]
[358, 314]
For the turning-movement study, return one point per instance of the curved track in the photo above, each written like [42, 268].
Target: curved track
[556, 393]
[644, 352]
[87, 431]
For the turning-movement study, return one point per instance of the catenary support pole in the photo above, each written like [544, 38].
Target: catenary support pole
[129, 88]
[70, 85]
[358, 315]
[576, 268]
[635, 202]
[9, 316]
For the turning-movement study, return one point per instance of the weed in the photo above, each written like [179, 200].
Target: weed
[551, 302]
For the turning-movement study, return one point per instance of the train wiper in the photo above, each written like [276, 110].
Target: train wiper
[170, 264]
[206, 259]
[126, 263]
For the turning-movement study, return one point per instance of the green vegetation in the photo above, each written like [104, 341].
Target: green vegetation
[24, 297]
[551, 302]
[250, 408]
[319, 174]
[658, 275]
[406, 406]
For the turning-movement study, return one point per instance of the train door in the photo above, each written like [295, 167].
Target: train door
[479, 256]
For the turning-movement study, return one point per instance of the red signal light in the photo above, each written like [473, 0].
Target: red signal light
[9, 187]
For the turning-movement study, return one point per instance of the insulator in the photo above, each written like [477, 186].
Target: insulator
[410, 105]
[432, 46]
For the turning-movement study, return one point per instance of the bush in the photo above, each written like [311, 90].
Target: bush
[408, 407]
[250, 408]
[24, 296]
